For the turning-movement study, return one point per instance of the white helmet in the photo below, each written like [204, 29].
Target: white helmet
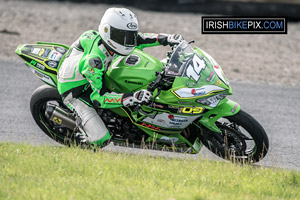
[118, 29]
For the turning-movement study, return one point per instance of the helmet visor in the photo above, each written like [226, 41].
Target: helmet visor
[122, 37]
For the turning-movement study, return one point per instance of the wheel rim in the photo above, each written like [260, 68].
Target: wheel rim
[233, 143]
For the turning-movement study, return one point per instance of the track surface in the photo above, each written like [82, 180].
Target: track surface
[275, 107]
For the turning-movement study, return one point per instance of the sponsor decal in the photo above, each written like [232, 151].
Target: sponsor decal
[211, 77]
[35, 50]
[112, 100]
[42, 76]
[39, 74]
[52, 64]
[91, 70]
[56, 56]
[177, 124]
[61, 50]
[167, 120]
[41, 52]
[33, 62]
[191, 110]
[46, 53]
[233, 109]
[161, 121]
[133, 82]
[40, 66]
[168, 139]
[197, 92]
[57, 120]
[177, 118]
[150, 126]
[132, 25]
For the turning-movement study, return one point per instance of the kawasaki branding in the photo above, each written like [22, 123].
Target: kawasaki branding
[133, 82]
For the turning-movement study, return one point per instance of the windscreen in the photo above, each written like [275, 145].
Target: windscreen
[181, 56]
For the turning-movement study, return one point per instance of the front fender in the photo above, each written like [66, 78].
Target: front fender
[227, 108]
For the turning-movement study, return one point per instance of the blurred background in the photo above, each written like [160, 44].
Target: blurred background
[286, 8]
[265, 58]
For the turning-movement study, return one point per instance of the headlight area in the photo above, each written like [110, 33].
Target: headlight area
[212, 101]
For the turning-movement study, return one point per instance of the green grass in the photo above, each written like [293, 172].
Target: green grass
[49, 172]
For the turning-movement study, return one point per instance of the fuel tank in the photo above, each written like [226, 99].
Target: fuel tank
[132, 73]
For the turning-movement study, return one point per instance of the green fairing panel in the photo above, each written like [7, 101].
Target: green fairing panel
[132, 73]
[225, 108]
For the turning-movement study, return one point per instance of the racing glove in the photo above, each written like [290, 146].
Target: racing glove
[174, 39]
[139, 97]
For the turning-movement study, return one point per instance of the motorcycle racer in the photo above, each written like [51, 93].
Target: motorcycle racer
[80, 81]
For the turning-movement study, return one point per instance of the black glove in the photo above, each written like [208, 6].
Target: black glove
[174, 39]
[139, 97]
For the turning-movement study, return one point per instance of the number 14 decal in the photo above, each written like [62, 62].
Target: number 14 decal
[194, 69]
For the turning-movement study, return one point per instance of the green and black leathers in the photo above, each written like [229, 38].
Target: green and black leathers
[90, 60]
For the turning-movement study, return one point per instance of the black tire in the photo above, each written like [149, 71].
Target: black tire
[232, 143]
[38, 103]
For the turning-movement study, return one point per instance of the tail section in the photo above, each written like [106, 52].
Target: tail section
[43, 59]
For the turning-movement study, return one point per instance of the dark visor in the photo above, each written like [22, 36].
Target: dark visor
[126, 38]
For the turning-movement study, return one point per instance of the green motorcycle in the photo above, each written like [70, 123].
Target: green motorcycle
[188, 109]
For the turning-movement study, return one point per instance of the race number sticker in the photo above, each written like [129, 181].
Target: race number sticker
[191, 110]
[195, 67]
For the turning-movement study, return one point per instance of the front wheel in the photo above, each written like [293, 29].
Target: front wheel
[242, 138]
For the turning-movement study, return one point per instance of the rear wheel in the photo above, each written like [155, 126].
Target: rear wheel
[42, 97]
[242, 139]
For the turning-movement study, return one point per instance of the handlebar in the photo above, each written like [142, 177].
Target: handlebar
[154, 84]
[161, 82]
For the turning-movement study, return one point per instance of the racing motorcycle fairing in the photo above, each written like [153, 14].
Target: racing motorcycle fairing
[43, 59]
[197, 89]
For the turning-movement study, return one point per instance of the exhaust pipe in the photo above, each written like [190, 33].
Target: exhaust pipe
[60, 117]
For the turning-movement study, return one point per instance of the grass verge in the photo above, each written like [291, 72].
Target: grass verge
[49, 172]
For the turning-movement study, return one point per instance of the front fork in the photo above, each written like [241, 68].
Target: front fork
[226, 108]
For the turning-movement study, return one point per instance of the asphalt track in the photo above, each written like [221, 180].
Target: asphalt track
[275, 107]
